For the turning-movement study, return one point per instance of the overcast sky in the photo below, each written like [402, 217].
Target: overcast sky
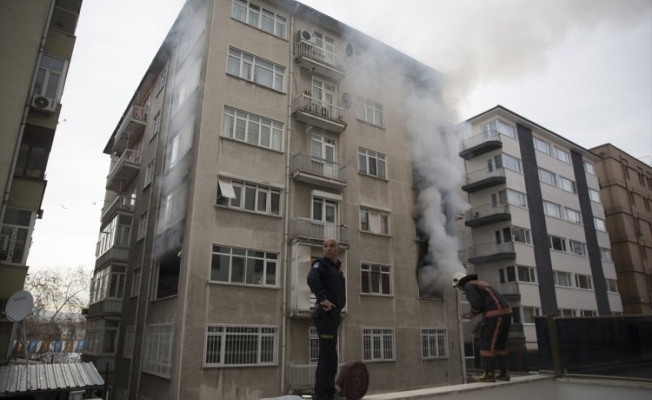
[580, 68]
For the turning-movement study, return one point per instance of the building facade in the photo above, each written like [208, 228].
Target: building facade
[626, 192]
[538, 228]
[260, 129]
[37, 40]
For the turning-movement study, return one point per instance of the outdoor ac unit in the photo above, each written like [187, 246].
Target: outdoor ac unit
[43, 103]
[304, 35]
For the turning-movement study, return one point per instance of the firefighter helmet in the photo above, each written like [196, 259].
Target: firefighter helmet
[457, 277]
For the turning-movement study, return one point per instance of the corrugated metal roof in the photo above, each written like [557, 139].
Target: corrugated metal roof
[20, 378]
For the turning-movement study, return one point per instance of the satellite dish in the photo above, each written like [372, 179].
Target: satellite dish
[19, 305]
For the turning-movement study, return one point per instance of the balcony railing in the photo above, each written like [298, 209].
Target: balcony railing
[480, 144]
[305, 228]
[487, 214]
[125, 169]
[114, 254]
[318, 171]
[507, 288]
[319, 113]
[121, 203]
[484, 178]
[320, 60]
[111, 306]
[490, 252]
[131, 128]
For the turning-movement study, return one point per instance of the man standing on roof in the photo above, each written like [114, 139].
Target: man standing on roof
[496, 320]
[326, 281]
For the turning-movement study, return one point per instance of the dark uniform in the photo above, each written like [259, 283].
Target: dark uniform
[326, 281]
[496, 320]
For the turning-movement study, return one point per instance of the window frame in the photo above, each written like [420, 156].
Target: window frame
[243, 190]
[382, 276]
[250, 66]
[544, 172]
[158, 350]
[568, 277]
[244, 257]
[374, 221]
[250, 122]
[279, 21]
[434, 343]
[365, 158]
[542, 145]
[594, 196]
[564, 182]
[600, 224]
[221, 331]
[378, 337]
[370, 111]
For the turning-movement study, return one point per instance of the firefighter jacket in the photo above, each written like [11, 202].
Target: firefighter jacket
[486, 300]
[326, 281]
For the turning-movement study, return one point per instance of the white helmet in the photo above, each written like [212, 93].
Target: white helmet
[457, 277]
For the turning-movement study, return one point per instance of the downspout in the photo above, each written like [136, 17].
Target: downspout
[286, 227]
[23, 122]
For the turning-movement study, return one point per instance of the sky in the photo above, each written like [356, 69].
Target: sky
[580, 68]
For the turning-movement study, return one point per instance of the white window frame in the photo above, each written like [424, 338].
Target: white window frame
[589, 168]
[567, 278]
[544, 174]
[498, 127]
[578, 248]
[247, 66]
[371, 112]
[528, 314]
[104, 280]
[16, 231]
[600, 224]
[518, 233]
[217, 336]
[612, 285]
[47, 74]
[368, 65]
[594, 195]
[255, 15]
[434, 344]
[376, 275]
[253, 129]
[99, 334]
[135, 281]
[378, 344]
[552, 239]
[605, 254]
[567, 312]
[573, 216]
[526, 274]
[542, 145]
[157, 125]
[584, 282]
[551, 209]
[567, 184]
[588, 313]
[130, 340]
[149, 173]
[263, 196]
[377, 221]
[368, 158]
[244, 257]
[157, 353]
[562, 155]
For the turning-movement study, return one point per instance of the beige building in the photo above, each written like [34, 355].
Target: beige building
[261, 128]
[537, 222]
[37, 38]
[626, 192]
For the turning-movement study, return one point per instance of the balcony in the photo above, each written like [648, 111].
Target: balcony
[483, 179]
[319, 60]
[123, 203]
[305, 229]
[480, 144]
[487, 215]
[491, 252]
[509, 290]
[113, 255]
[111, 306]
[124, 171]
[131, 129]
[318, 171]
[318, 113]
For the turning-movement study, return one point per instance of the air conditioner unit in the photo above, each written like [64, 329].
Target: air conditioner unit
[306, 36]
[43, 103]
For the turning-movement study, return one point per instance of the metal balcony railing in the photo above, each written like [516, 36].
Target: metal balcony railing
[479, 139]
[312, 51]
[486, 210]
[318, 230]
[485, 173]
[128, 157]
[308, 104]
[318, 166]
[490, 249]
[506, 288]
[137, 115]
[120, 203]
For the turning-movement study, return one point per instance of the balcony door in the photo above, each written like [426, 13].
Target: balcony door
[323, 151]
[323, 94]
[325, 47]
[326, 211]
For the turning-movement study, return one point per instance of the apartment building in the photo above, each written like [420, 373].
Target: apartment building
[537, 221]
[259, 129]
[626, 192]
[36, 44]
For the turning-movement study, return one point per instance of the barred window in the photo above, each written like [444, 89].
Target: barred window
[240, 345]
[256, 69]
[433, 343]
[252, 129]
[259, 17]
[378, 345]
[157, 357]
[237, 265]
[375, 278]
[371, 162]
[313, 345]
[370, 111]
[248, 196]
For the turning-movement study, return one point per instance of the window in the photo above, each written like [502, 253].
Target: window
[130, 339]
[557, 243]
[49, 77]
[165, 282]
[503, 235]
[162, 79]
[495, 162]
[562, 155]
[116, 233]
[374, 221]
[173, 206]
[368, 65]
[149, 173]
[551, 209]
[612, 286]
[599, 224]
[433, 343]
[325, 209]
[240, 345]
[542, 146]
[370, 111]
[516, 315]
[249, 267]
[605, 254]
[512, 163]
[248, 196]
[527, 274]
[157, 125]
[135, 282]
[313, 345]
[108, 283]
[547, 177]
[33, 154]
[507, 275]
[573, 216]
[378, 344]
[157, 354]
[589, 168]
[567, 312]
[567, 185]
[583, 281]
[594, 195]
[521, 235]
[256, 69]
[529, 313]
[516, 198]
[577, 248]
[563, 279]
[259, 17]
[498, 127]
[142, 225]
[371, 162]
[375, 279]
[101, 336]
[252, 129]
[15, 234]
[588, 313]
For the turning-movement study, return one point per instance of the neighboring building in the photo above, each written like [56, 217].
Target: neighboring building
[259, 129]
[37, 38]
[537, 223]
[626, 192]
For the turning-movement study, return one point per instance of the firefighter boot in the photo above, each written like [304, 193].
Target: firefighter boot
[487, 376]
[503, 375]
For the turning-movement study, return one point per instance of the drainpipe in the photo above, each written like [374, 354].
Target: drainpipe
[23, 122]
[286, 225]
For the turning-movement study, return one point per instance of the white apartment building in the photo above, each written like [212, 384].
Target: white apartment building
[261, 128]
[537, 222]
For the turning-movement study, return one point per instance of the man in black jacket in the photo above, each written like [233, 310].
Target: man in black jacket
[326, 281]
[496, 320]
